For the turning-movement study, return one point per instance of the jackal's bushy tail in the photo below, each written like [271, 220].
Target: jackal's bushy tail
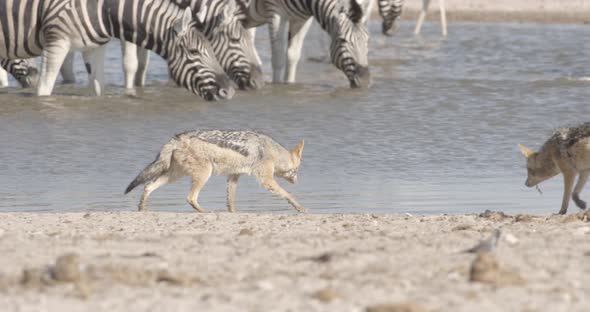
[156, 168]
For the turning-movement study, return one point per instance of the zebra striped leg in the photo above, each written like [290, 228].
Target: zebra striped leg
[253, 34]
[129, 51]
[425, 5]
[143, 59]
[51, 60]
[297, 31]
[278, 41]
[3, 78]
[67, 69]
[94, 60]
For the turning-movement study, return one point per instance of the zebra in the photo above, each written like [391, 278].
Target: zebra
[344, 20]
[389, 10]
[24, 71]
[231, 43]
[50, 28]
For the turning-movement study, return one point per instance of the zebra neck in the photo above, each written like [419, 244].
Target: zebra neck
[324, 12]
[146, 23]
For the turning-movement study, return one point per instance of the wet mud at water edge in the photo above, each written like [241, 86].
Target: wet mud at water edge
[436, 132]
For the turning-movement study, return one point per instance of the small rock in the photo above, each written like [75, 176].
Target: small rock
[461, 227]
[86, 215]
[166, 277]
[573, 217]
[396, 307]
[326, 295]
[485, 269]
[494, 215]
[510, 239]
[523, 218]
[323, 258]
[67, 268]
[248, 232]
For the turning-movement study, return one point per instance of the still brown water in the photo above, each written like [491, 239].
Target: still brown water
[436, 132]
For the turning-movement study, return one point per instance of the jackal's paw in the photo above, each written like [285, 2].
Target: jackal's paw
[580, 203]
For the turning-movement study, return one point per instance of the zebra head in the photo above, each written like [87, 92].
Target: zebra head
[231, 42]
[350, 40]
[390, 10]
[193, 65]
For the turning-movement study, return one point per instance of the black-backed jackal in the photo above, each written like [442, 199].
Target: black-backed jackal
[567, 151]
[201, 153]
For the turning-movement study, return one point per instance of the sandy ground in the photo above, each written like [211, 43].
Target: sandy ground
[130, 261]
[544, 11]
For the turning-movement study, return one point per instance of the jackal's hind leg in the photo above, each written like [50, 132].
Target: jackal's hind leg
[568, 182]
[579, 186]
[149, 188]
[272, 186]
[200, 172]
[232, 181]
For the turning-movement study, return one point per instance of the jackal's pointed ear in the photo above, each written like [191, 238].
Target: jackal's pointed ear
[297, 150]
[527, 152]
[181, 25]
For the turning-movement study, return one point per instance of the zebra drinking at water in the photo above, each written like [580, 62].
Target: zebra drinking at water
[50, 28]
[344, 20]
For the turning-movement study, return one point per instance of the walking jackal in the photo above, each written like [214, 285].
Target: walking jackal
[567, 151]
[201, 153]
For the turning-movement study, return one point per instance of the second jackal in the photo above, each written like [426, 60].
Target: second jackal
[567, 151]
[201, 153]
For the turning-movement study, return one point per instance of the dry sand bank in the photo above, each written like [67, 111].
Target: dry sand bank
[269, 262]
[544, 11]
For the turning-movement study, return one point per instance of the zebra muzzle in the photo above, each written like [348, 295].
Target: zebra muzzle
[360, 79]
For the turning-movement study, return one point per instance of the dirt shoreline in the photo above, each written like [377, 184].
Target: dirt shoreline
[274, 262]
[548, 17]
[538, 11]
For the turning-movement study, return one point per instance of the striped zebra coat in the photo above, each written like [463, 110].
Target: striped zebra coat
[24, 71]
[50, 28]
[343, 20]
[231, 42]
[390, 11]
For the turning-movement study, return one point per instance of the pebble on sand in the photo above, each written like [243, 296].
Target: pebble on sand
[248, 232]
[67, 268]
[326, 295]
[396, 307]
[485, 269]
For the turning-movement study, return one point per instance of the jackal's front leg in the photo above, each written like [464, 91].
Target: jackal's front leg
[271, 185]
[568, 182]
[232, 181]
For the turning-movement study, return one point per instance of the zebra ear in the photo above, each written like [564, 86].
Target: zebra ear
[357, 10]
[229, 11]
[181, 25]
[202, 11]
